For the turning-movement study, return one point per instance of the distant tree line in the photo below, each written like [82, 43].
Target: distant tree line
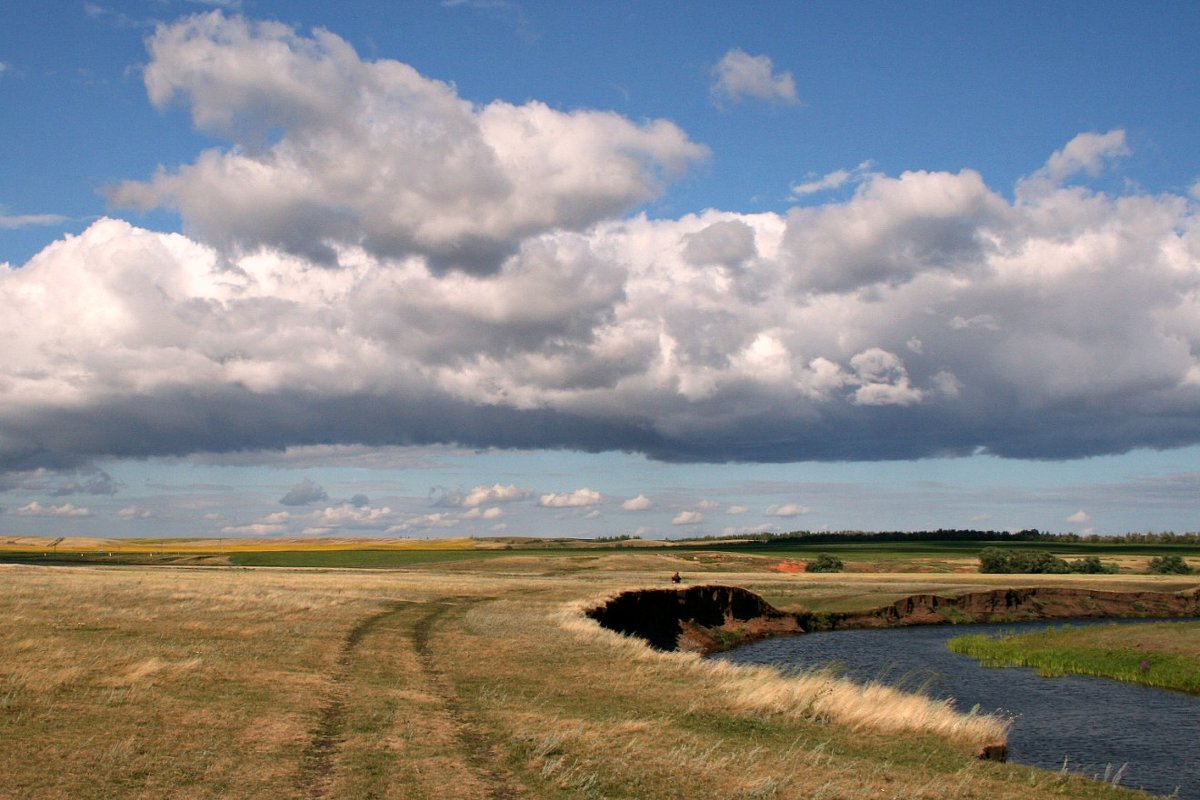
[953, 535]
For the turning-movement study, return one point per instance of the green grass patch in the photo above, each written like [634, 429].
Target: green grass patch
[1161, 655]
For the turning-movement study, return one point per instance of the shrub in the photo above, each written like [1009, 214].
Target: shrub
[1092, 565]
[1169, 565]
[825, 563]
[993, 559]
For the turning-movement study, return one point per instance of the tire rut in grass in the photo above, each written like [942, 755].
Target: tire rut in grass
[480, 756]
[316, 764]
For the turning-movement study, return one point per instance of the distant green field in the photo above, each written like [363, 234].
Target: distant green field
[366, 557]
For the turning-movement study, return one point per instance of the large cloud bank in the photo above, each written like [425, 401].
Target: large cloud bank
[374, 260]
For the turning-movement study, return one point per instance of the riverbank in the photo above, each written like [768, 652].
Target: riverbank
[1163, 656]
[712, 618]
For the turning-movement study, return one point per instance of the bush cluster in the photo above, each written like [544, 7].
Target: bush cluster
[825, 563]
[993, 559]
[1169, 565]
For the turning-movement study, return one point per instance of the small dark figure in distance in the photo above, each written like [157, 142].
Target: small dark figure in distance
[676, 579]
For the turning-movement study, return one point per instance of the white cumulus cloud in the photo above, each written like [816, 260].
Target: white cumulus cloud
[328, 148]
[687, 518]
[926, 314]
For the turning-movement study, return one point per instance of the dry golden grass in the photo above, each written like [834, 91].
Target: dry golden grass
[475, 680]
[817, 696]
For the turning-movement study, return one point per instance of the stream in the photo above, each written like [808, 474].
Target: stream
[1097, 726]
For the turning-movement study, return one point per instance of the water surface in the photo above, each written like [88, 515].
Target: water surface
[1095, 725]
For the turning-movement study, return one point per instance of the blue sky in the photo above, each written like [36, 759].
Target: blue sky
[484, 268]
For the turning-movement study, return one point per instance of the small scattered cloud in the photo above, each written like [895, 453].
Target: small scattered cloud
[495, 512]
[254, 529]
[347, 515]
[36, 509]
[739, 75]
[985, 322]
[479, 495]
[359, 500]
[576, 499]
[304, 493]
[136, 512]
[270, 525]
[12, 222]
[788, 510]
[98, 483]
[708, 505]
[118, 19]
[1079, 516]
[737, 510]
[506, 11]
[495, 494]
[639, 503]
[688, 518]
[230, 5]
[832, 180]
[436, 520]
[751, 529]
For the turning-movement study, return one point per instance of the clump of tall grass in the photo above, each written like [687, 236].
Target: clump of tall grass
[816, 696]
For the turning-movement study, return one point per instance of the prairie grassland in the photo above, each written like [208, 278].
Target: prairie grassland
[1164, 655]
[467, 680]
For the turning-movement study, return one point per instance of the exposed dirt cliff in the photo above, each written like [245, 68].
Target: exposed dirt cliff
[709, 619]
[703, 619]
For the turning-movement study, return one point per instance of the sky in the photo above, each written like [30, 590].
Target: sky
[492, 268]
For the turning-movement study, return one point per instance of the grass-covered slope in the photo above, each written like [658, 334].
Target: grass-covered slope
[1164, 655]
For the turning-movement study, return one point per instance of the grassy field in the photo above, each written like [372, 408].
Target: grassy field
[464, 678]
[781, 555]
[1165, 655]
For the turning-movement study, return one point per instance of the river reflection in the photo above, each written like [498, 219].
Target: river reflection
[1096, 725]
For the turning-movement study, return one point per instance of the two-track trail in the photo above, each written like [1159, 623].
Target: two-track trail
[392, 724]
